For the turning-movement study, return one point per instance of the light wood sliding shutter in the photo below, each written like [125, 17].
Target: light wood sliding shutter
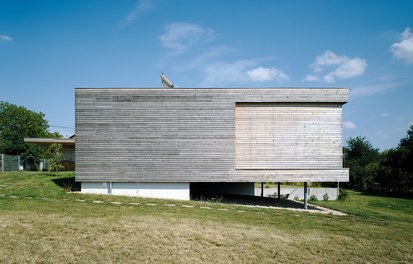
[288, 136]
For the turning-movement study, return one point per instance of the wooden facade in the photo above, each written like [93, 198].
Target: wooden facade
[209, 135]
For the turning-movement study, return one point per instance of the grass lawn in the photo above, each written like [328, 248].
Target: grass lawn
[41, 222]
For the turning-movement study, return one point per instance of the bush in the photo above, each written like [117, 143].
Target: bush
[325, 197]
[343, 194]
[313, 198]
[55, 161]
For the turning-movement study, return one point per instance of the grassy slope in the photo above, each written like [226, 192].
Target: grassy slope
[33, 229]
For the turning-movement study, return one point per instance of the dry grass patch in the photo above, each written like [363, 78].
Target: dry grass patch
[115, 234]
[62, 230]
[145, 239]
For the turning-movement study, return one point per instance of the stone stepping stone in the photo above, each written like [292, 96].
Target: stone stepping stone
[151, 204]
[133, 203]
[240, 211]
[79, 200]
[2, 195]
[187, 206]
[117, 203]
[97, 202]
[170, 205]
[205, 207]
[223, 209]
[14, 197]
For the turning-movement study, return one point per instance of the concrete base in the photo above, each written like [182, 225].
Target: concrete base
[177, 191]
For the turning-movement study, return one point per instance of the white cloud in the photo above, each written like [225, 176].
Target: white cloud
[328, 58]
[311, 77]
[349, 125]
[197, 53]
[218, 74]
[376, 88]
[141, 7]
[267, 74]
[5, 38]
[240, 72]
[199, 61]
[339, 67]
[385, 115]
[404, 49]
[179, 37]
[348, 69]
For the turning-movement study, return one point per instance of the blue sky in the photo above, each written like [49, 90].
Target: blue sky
[47, 48]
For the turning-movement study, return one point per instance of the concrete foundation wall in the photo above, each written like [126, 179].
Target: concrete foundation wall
[178, 191]
[94, 187]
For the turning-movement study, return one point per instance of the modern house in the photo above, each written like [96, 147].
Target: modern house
[169, 143]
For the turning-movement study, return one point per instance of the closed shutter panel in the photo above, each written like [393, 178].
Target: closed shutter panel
[288, 136]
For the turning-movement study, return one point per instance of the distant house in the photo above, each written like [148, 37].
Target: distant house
[68, 149]
[170, 143]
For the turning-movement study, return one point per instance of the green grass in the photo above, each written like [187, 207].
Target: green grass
[62, 229]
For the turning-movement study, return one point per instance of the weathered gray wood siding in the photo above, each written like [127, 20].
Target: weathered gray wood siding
[288, 136]
[192, 135]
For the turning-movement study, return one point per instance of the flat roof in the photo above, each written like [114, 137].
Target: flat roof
[214, 88]
[269, 95]
[49, 141]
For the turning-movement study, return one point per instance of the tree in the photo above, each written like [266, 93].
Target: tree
[55, 160]
[362, 159]
[18, 122]
[390, 172]
[396, 169]
[406, 151]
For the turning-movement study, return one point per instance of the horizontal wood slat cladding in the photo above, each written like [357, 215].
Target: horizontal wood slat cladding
[288, 136]
[189, 135]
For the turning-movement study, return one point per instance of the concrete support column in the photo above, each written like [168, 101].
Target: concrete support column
[110, 188]
[262, 189]
[305, 195]
[279, 190]
[338, 191]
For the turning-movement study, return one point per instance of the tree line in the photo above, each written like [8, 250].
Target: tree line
[387, 172]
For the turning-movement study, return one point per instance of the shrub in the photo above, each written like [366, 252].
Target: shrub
[313, 198]
[55, 158]
[343, 194]
[325, 197]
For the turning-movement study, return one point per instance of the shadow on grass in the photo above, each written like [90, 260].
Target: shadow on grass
[68, 184]
[251, 200]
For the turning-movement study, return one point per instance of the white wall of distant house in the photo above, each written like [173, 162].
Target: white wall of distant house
[298, 192]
